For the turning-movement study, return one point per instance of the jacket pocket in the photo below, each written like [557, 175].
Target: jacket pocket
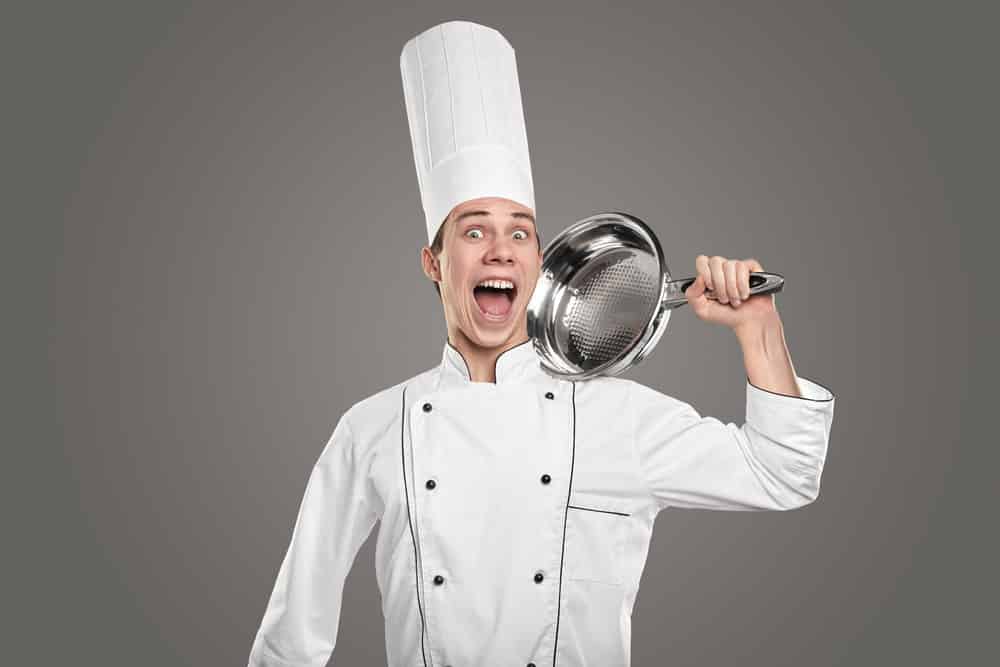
[595, 541]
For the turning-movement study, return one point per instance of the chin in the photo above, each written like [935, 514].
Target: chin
[491, 339]
[492, 332]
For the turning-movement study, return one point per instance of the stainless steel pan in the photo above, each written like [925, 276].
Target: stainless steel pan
[604, 297]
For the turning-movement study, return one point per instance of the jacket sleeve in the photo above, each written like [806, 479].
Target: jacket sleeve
[772, 462]
[300, 623]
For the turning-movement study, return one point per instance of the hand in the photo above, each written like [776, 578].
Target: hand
[729, 282]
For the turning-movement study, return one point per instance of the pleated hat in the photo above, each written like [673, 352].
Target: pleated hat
[463, 105]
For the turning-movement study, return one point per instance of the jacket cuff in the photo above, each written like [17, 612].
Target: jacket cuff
[782, 415]
[810, 390]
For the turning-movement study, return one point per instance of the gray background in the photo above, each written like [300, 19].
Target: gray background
[214, 253]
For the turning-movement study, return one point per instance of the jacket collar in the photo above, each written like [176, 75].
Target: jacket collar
[517, 364]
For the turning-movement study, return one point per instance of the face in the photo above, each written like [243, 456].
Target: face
[487, 239]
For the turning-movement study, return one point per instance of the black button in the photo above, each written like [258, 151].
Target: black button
[430, 484]
[546, 478]
[549, 395]
[438, 579]
[531, 664]
[539, 577]
[427, 407]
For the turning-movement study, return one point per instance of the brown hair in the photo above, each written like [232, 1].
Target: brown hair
[438, 245]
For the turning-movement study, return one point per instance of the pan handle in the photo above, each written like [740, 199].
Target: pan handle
[761, 282]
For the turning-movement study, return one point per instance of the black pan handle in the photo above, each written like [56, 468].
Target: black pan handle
[761, 282]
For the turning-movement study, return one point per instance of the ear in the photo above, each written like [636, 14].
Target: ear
[430, 265]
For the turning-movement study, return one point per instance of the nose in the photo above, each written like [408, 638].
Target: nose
[501, 251]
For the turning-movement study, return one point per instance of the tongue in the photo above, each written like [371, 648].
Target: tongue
[493, 302]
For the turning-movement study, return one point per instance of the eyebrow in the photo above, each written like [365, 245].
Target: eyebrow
[515, 214]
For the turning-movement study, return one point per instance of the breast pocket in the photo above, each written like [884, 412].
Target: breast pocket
[595, 541]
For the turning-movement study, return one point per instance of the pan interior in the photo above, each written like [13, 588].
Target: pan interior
[607, 305]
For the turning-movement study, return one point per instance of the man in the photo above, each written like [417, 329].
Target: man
[516, 509]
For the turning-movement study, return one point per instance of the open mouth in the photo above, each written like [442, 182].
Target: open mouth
[495, 298]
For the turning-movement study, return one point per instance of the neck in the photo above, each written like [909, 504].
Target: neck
[482, 361]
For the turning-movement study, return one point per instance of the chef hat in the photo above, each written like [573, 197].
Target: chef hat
[463, 104]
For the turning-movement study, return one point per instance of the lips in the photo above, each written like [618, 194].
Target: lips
[495, 302]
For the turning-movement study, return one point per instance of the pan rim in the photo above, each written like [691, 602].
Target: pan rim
[540, 303]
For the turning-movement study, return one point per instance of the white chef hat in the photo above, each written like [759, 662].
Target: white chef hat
[463, 104]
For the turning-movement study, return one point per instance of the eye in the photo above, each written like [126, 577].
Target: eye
[472, 232]
[524, 234]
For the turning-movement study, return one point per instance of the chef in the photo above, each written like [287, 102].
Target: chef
[515, 510]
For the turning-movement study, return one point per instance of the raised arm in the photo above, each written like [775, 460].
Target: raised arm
[774, 461]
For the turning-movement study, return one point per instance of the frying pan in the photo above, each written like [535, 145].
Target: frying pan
[604, 297]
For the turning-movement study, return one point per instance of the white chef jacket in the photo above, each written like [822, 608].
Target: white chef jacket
[516, 517]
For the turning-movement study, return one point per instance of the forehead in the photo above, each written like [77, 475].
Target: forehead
[494, 207]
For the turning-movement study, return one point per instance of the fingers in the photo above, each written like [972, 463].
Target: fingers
[728, 279]
[732, 281]
[743, 280]
[717, 265]
[703, 270]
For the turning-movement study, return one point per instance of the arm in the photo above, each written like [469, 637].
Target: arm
[300, 624]
[766, 357]
[774, 461]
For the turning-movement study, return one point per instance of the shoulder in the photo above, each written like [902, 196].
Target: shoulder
[634, 394]
[602, 396]
[601, 386]
[377, 412]
[607, 386]
[373, 422]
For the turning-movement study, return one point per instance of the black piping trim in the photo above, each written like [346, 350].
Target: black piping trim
[409, 517]
[802, 398]
[591, 509]
[468, 372]
[562, 557]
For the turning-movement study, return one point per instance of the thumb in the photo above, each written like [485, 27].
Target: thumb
[696, 289]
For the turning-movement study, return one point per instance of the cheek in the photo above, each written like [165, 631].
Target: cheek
[455, 281]
[455, 278]
[532, 264]
[457, 271]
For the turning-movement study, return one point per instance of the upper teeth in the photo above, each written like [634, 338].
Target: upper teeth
[499, 284]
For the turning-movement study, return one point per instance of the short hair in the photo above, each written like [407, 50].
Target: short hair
[438, 245]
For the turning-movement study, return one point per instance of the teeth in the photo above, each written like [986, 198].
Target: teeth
[498, 284]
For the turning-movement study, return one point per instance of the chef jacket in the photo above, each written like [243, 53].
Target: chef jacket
[516, 516]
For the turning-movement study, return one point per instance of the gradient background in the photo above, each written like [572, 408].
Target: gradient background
[215, 252]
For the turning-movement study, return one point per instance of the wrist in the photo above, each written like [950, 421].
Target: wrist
[760, 331]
